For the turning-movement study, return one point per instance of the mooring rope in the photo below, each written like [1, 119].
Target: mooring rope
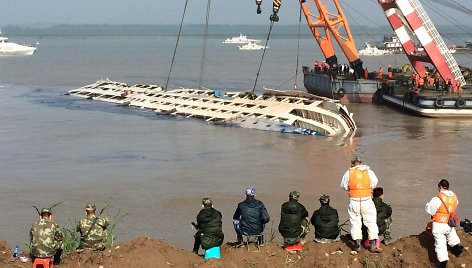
[176, 43]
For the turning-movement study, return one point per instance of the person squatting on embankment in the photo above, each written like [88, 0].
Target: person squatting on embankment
[46, 238]
[209, 227]
[294, 224]
[92, 229]
[326, 222]
[250, 216]
[384, 218]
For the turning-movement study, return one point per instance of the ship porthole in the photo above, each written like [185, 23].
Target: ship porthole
[439, 102]
[460, 102]
[341, 92]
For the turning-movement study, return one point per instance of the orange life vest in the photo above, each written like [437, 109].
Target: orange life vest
[359, 183]
[442, 215]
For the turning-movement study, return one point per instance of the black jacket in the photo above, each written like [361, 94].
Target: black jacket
[384, 211]
[326, 221]
[209, 228]
[252, 216]
[291, 216]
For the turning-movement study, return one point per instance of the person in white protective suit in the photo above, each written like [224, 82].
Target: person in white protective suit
[442, 232]
[359, 181]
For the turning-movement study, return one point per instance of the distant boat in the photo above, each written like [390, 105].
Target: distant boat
[11, 49]
[391, 43]
[371, 50]
[252, 46]
[241, 39]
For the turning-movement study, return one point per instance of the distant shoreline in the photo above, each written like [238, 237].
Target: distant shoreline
[126, 30]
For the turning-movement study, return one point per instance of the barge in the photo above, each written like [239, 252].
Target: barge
[342, 89]
[429, 102]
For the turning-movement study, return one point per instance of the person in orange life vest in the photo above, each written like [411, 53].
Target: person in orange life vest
[414, 79]
[420, 82]
[366, 73]
[359, 181]
[390, 71]
[380, 73]
[442, 232]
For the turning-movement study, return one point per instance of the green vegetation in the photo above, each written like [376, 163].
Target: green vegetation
[72, 237]
[369, 262]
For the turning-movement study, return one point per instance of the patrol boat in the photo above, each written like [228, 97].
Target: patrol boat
[273, 110]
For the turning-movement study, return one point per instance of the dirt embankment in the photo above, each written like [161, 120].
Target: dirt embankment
[413, 251]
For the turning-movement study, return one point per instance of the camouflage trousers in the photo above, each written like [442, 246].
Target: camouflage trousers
[388, 230]
[305, 230]
[93, 245]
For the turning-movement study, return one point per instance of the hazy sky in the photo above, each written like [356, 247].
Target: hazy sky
[27, 12]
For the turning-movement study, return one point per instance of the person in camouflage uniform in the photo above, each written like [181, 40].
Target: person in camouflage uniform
[93, 230]
[46, 238]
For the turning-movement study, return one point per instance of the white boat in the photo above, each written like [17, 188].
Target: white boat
[12, 49]
[251, 46]
[371, 50]
[241, 39]
[283, 111]
[392, 43]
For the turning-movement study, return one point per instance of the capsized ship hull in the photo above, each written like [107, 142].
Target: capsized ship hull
[292, 111]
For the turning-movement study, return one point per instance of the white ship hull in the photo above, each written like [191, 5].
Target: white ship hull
[292, 112]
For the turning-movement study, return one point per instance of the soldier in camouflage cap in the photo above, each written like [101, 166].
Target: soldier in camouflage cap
[46, 238]
[209, 227]
[92, 229]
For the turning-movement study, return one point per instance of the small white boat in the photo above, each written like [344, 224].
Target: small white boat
[241, 39]
[12, 49]
[252, 46]
[371, 50]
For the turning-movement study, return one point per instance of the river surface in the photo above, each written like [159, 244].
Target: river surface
[154, 170]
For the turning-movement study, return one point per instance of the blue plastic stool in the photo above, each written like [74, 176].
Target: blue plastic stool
[212, 253]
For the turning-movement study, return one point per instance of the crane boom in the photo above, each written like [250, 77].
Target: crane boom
[326, 21]
[408, 18]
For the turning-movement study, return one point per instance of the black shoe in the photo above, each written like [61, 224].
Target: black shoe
[442, 264]
[357, 245]
[457, 250]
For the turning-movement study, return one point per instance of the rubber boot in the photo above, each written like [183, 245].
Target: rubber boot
[57, 257]
[442, 264]
[196, 246]
[457, 250]
[357, 245]
[374, 248]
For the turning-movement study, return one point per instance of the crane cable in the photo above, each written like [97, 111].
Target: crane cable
[263, 53]
[204, 44]
[176, 43]
[298, 47]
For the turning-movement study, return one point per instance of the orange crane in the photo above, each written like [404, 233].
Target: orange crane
[327, 21]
